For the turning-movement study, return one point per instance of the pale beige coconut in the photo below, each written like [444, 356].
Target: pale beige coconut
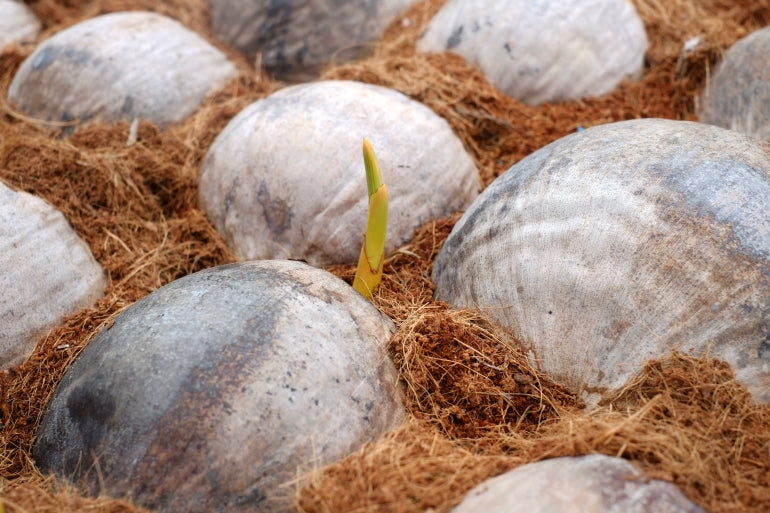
[46, 273]
[738, 94]
[594, 483]
[286, 179]
[120, 67]
[17, 23]
[543, 50]
[293, 39]
[218, 390]
[615, 245]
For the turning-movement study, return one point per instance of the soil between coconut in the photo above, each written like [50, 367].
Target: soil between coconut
[478, 407]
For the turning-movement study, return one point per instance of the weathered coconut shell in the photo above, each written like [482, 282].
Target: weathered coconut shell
[294, 39]
[214, 390]
[17, 23]
[613, 245]
[119, 67]
[543, 50]
[594, 483]
[738, 94]
[46, 273]
[286, 179]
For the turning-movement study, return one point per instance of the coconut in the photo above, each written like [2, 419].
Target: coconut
[46, 272]
[595, 483]
[120, 67]
[293, 39]
[215, 391]
[738, 94]
[543, 50]
[17, 23]
[616, 244]
[285, 178]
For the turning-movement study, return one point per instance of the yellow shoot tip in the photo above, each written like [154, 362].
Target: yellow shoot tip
[372, 257]
[373, 176]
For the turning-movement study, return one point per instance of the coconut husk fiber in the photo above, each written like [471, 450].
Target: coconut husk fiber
[477, 407]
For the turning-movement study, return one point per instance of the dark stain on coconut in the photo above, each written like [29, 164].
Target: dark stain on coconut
[764, 348]
[509, 50]
[277, 212]
[47, 55]
[230, 196]
[274, 30]
[455, 38]
[255, 497]
[92, 410]
[128, 105]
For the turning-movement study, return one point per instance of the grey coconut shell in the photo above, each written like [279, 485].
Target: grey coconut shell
[216, 389]
[738, 94]
[286, 179]
[543, 50]
[46, 273]
[594, 483]
[120, 67]
[18, 23]
[294, 39]
[611, 246]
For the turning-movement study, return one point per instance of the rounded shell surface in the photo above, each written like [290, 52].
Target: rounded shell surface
[294, 39]
[614, 245]
[46, 272]
[738, 94]
[595, 483]
[286, 179]
[540, 51]
[216, 389]
[120, 67]
[17, 23]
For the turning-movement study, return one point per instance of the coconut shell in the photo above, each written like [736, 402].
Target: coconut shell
[120, 67]
[46, 273]
[738, 94]
[17, 23]
[540, 51]
[215, 391]
[614, 245]
[294, 39]
[594, 483]
[286, 178]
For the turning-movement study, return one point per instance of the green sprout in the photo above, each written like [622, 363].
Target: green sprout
[372, 258]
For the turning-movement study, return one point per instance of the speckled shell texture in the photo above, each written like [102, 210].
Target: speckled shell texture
[613, 245]
[738, 94]
[294, 39]
[214, 390]
[46, 273]
[286, 179]
[119, 67]
[594, 483]
[540, 51]
[17, 23]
